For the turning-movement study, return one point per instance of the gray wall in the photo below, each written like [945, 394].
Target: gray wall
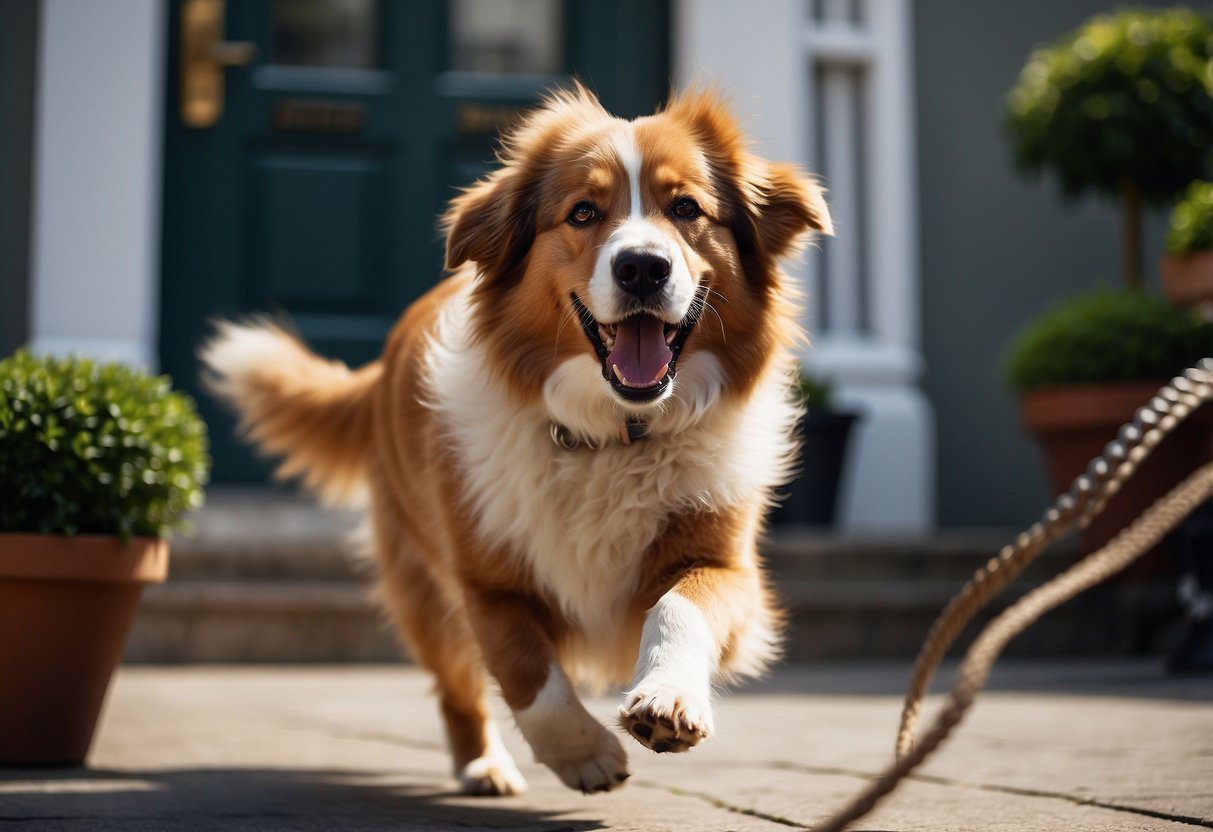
[18, 40]
[996, 248]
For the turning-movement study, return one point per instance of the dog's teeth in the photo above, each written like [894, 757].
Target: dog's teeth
[618, 374]
[661, 373]
[669, 338]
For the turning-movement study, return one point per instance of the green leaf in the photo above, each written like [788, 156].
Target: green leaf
[96, 448]
[1192, 221]
[1107, 336]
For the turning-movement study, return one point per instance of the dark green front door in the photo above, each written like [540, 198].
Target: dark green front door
[314, 194]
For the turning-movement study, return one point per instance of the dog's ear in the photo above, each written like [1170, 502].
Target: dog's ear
[772, 206]
[493, 222]
[783, 205]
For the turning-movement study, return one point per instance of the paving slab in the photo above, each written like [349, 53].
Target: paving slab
[1089, 747]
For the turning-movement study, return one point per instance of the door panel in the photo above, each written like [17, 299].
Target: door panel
[318, 221]
[315, 195]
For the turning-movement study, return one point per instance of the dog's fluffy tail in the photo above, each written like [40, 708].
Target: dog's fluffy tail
[315, 414]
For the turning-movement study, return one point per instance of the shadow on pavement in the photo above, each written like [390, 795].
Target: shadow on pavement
[253, 799]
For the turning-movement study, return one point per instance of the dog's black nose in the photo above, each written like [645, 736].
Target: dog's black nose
[641, 272]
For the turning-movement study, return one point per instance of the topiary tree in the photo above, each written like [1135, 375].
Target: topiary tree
[1124, 107]
[96, 448]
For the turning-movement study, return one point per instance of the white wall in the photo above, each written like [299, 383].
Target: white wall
[96, 188]
[776, 59]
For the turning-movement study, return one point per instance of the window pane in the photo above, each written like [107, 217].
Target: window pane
[331, 33]
[506, 37]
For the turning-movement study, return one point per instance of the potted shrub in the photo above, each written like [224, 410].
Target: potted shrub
[1187, 267]
[1124, 107]
[98, 462]
[812, 498]
[1084, 368]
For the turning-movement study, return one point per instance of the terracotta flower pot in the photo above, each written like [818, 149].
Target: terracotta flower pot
[66, 605]
[1073, 424]
[1188, 280]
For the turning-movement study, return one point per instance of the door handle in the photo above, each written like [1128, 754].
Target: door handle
[204, 56]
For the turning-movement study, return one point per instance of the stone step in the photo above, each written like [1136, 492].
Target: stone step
[263, 535]
[298, 542]
[306, 621]
[849, 620]
[947, 556]
[260, 621]
[267, 578]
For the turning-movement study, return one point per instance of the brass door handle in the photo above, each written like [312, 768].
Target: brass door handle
[204, 55]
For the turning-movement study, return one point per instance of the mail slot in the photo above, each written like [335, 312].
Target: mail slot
[318, 116]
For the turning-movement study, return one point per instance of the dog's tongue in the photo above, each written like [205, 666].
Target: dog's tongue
[640, 351]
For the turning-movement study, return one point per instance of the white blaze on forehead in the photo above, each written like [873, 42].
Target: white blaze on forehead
[628, 151]
[606, 300]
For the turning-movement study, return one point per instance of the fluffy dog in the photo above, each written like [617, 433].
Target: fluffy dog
[569, 444]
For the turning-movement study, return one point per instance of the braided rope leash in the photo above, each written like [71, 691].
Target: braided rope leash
[1075, 509]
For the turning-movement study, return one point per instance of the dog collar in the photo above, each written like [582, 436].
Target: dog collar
[566, 440]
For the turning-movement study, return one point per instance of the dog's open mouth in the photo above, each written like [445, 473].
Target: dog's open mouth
[639, 354]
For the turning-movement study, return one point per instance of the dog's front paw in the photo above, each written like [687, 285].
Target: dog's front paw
[492, 775]
[602, 770]
[663, 718]
[584, 756]
[566, 739]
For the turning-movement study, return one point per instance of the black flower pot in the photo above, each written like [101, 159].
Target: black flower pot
[812, 498]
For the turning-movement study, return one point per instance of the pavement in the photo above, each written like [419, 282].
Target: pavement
[1102, 746]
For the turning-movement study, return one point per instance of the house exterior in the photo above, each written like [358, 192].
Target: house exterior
[301, 169]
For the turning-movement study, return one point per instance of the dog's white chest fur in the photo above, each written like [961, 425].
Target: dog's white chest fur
[583, 519]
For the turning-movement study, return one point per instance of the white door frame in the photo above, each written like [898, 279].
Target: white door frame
[95, 230]
[830, 85]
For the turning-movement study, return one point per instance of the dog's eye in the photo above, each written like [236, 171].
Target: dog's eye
[686, 208]
[582, 213]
